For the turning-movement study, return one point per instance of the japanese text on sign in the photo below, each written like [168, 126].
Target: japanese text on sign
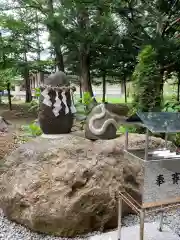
[175, 179]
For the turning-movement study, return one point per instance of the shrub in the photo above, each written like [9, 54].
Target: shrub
[34, 106]
[171, 106]
[32, 130]
[147, 94]
[84, 107]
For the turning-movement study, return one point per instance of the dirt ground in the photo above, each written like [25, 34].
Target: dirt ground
[18, 116]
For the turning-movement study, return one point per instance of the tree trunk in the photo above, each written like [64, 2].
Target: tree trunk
[84, 57]
[161, 82]
[59, 57]
[9, 95]
[178, 91]
[104, 87]
[125, 89]
[27, 85]
[27, 79]
[80, 91]
[122, 87]
[26, 66]
[38, 40]
[54, 39]
[4, 61]
[85, 70]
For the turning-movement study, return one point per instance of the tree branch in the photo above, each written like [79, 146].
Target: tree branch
[169, 17]
[173, 23]
[166, 67]
[36, 7]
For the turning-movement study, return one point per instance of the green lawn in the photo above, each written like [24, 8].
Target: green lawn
[115, 100]
[168, 97]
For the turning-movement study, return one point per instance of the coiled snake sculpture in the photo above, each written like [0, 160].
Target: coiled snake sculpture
[107, 122]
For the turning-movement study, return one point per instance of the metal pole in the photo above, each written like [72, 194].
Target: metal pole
[166, 139]
[119, 218]
[146, 145]
[126, 139]
[161, 222]
[142, 216]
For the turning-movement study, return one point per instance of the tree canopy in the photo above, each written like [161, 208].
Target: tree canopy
[90, 39]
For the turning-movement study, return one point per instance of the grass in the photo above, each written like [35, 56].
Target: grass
[167, 97]
[116, 100]
[25, 106]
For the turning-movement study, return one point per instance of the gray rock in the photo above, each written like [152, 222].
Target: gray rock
[3, 125]
[13, 231]
[68, 186]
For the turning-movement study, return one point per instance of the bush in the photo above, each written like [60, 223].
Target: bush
[171, 106]
[147, 94]
[122, 129]
[34, 106]
[32, 130]
[84, 107]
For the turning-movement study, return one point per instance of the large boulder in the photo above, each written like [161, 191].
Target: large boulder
[68, 186]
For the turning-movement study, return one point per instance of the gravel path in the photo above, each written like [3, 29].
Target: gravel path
[12, 231]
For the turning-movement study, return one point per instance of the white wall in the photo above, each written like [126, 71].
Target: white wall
[111, 91]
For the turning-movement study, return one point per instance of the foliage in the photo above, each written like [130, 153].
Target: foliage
[94, 38]
[32, 130]
[130, 129]
[37, 92]
[20, 45]
[170, 106]
[84, 107]
[176, 139]
[173, 106]
[34, 106]
[147, 84]
[7, 75]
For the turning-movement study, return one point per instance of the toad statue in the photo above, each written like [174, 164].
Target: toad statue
[56, 105]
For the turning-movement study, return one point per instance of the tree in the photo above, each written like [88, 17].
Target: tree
[147, 87]
[153, 23]
[23, 40]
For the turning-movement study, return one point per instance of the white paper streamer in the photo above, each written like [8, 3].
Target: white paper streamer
[64, 100]
[57, 105]
[46, 100]
[73, 109]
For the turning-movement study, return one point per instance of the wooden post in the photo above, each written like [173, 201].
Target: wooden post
[142, 215]
[126, 139]
[119, 218]
[147, 145]
[161, 222]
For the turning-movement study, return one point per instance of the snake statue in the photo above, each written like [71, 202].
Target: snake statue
[100, 131]
[103, 121]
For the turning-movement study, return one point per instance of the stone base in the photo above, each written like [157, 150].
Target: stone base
[151, 232]
[51, 136]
